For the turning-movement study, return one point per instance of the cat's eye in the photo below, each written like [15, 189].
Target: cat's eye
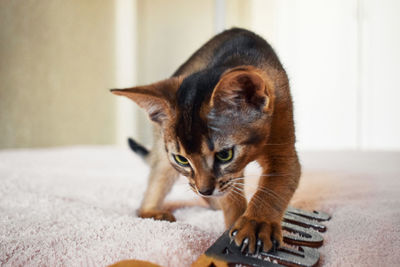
[224, 156]
[181, 160]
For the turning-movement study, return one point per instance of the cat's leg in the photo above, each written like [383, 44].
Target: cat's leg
[161, 179]
[233, 204]
[213, 203]
[259, 228]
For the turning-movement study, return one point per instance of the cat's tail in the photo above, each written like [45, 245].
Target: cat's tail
[138, 148]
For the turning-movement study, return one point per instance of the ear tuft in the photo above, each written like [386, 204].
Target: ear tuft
[122, 92]
[157, 99]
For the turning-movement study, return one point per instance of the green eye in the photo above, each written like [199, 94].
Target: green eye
[225, 155]
[181, 160]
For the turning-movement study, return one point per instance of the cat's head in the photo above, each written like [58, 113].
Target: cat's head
[213, 123]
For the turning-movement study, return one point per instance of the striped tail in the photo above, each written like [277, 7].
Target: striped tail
[138, 148]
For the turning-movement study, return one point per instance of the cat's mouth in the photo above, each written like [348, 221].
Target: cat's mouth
[220, 189]
[215, 192]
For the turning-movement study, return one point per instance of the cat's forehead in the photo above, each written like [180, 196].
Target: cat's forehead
[206, 145]
[191, 127]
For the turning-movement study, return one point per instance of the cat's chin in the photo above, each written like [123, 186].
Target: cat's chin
[218, 193]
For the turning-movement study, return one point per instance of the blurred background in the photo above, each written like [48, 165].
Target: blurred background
[58, 60]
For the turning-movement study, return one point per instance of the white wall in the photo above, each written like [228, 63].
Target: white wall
[343, 60]
[317, 43]
[380, 73]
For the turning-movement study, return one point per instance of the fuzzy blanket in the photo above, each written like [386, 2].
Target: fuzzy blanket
[76, 207]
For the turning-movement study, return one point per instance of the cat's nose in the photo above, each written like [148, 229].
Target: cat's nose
[206, 191]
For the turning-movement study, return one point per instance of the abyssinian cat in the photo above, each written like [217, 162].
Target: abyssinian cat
[229, 104]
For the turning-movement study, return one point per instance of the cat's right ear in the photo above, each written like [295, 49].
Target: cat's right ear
[157, 99]
[241, 88]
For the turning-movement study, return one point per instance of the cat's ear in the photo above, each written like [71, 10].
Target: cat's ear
[242, 87]
[158, 99]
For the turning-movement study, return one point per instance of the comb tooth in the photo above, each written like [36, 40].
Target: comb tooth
[303, 221]
[314, 215]
[302, 236]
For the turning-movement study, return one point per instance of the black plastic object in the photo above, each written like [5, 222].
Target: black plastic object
[301, 238]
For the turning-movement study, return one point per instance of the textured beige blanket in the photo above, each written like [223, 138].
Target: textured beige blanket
[76, 207]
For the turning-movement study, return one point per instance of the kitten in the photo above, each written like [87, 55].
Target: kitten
[229, 104]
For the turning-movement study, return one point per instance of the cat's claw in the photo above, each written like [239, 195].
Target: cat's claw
[255, 235]
[244, 245]
[259, 247]
[275, 245]
[233, 234]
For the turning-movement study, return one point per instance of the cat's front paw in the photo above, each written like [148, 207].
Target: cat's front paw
[157, 215]
[254, 235]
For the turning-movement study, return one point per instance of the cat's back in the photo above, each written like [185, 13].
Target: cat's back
[231, 48]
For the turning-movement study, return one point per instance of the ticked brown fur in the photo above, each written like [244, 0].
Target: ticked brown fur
[231, 95]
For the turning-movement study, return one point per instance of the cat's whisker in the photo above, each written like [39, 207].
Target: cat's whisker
[258, 175]
[266, 191]
[259, 200]
[222, 189]
[229, 185]
[193, 188]
[240, 181]
[189, 190]
[188, 186]
[271, 193]
[237, 191]
[234, 194]
[236, 179]
[235, 187]
[268, 175]
[255, 197]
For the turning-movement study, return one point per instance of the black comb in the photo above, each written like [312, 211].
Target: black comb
[302, 236]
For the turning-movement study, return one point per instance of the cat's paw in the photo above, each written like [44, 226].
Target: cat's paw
[254, 235]
[158, 215]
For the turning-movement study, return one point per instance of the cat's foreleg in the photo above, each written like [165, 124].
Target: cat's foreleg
[213, 202]
[233, 204]
[161, 179]
[260, 225]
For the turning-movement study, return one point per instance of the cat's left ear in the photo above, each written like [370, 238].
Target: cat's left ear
[158, 99]
[242, 87]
